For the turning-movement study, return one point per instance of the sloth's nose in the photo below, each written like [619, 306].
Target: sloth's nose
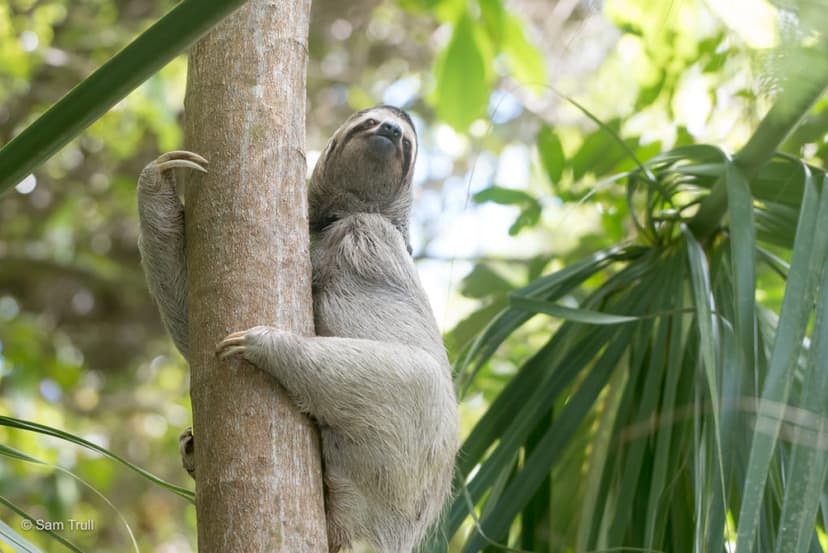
[390, 130]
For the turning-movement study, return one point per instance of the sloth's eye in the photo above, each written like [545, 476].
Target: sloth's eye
[370, 122]
[406, 142]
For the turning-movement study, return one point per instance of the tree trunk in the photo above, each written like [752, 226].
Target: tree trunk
[258, 469]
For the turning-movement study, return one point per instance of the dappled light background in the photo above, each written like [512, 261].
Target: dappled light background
[81, 344]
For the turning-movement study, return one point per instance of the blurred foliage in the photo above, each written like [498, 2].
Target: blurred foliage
[513, 182]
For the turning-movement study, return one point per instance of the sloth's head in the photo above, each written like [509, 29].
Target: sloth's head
[366, 168]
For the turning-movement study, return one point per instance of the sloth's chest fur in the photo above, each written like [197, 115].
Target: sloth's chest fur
[365, 285]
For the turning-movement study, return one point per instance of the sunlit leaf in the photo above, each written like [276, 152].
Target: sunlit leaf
[462, 87]
[551, 153]
[525, 59]
[504, 196]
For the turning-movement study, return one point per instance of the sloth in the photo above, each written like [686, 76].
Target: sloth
[375, 378]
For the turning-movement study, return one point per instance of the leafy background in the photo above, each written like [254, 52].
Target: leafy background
[624, 419]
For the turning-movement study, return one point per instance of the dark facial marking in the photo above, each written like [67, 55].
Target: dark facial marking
[356, 129]
[406, 156]
[395, 110]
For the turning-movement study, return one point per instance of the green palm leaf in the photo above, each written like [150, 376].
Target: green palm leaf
[667, 385]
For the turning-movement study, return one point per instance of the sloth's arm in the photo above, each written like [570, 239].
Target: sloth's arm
[341, 381]
[161, 240]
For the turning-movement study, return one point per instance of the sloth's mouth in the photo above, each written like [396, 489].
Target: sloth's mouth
[383, 143]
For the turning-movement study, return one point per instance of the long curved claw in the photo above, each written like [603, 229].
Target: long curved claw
[167, 165]
[230, 351]
[182, 154]
[180, 158]
[232, 344]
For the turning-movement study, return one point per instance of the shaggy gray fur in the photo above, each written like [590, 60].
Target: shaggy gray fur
[376, 377]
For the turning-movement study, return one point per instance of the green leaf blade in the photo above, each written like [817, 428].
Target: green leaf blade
[807, 264]
[462, 84]
[96, 94]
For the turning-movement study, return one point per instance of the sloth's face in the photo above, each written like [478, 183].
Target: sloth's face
[383, 135]
[374, 152]
[366, 167]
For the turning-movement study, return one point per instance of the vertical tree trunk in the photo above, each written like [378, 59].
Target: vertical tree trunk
[258, 470]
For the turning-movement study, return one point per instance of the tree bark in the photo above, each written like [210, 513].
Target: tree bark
[258, 469]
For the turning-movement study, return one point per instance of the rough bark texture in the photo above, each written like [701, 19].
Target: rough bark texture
[258, 469]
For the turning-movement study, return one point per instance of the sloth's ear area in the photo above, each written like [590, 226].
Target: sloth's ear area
[319, 168]
[327, 150]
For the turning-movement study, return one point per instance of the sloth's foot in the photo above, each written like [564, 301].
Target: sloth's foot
[185, 448]
[157, 176]
[180, 158]
[258, 345]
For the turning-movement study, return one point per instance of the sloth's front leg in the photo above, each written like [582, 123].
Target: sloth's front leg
[340, 381]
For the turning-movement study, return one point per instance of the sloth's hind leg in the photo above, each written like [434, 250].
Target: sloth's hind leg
[186, 443]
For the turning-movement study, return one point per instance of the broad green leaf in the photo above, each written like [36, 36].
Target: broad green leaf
[462, 89]
[93, 97]
[524, 58]
[503, 196]
[600, 152]
[705, 307]
[551, 153]
[493, 16]
[612, 132]
[528, 217]
[444, 10]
